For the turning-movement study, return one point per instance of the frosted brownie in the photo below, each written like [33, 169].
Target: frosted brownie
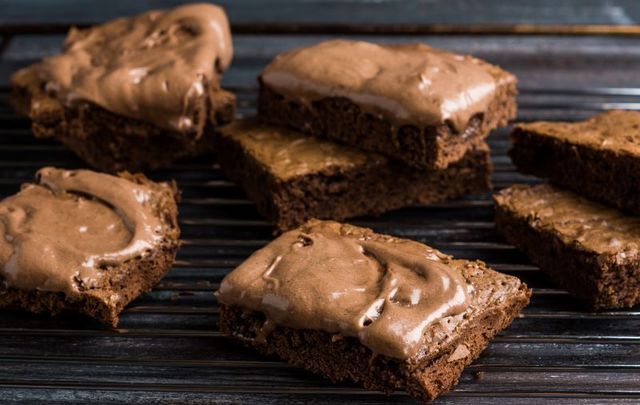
[135, 93]
[598, 158]
[349, 304]
[421, 105]
[85, 242]
[292, 177]
[587, 248]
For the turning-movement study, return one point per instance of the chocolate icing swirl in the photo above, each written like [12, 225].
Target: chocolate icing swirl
[157, 66]
[408, 84]
[64, 231]
[385, 293]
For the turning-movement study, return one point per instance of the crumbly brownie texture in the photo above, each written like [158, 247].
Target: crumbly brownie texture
[104, 294]
[112, 142]
[446, 345]
[292, 177]
[435, 125]
[135, 93]
[586, 248]
[598, 158]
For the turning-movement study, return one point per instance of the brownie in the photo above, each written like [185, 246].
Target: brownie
[598, 158]
[292, 177]
[585, 247]
[85, 242]
[135, 93]
[352, 305]
[423, 106]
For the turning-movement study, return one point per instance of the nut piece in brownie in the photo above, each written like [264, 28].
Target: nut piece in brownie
[423, 106]
[349, 304]
[134, 93]
[587, 248]
[598, 158]
[87, 242]
[293, 177]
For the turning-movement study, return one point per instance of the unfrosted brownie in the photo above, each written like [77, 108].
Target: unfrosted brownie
[598, 158]
[134, 93]
[85, 242]
[292, 177]
[587, 248]
[423, 106]
[349, 304]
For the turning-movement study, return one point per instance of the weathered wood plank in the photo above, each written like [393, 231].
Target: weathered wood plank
[168, 348]
[348, 12]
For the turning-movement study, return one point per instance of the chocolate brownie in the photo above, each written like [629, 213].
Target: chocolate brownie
[349, 304]
[587, 248]
[135, 93]
[85, 242]
[423, 106]
[598, 158]
[292, 177]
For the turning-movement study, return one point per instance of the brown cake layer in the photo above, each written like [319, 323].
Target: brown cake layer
[341, 120]
[134, 93]
[112, 142]
[445, 348]
[598, 158]
[122, 283]
[424, 109]
[587, 248]
[343, 183]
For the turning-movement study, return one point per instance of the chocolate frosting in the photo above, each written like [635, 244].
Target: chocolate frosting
[64, 231]
[408, 84]
[289, 154]
[384, 292]
[157, 66]
[575, 220]
[616, 131]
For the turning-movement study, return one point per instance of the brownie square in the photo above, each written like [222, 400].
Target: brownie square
[598, 158]
[352, 305]
[292, 177]
[134, 93]
[423, 106]
[85, 242]
[585, 247]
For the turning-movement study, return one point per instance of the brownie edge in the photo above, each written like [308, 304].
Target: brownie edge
[369, 184]
[599, 279]
[123, 282]
[446, 345]
[345, 359]
[341, 120]
[111, 142]
[605, 175]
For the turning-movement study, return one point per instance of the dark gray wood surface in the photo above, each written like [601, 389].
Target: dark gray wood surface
[345, 11]
[168, 348]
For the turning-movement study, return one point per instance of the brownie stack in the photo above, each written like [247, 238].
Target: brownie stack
[349, 128]
[135, 93]
[583, 229]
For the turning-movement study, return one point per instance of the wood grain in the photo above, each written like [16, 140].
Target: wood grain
[168, 347]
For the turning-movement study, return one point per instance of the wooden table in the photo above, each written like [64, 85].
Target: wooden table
[168, 348]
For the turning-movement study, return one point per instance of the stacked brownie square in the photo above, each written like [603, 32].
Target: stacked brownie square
[350, 128]
[584, 228]
[131, 94]
[134, 93]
